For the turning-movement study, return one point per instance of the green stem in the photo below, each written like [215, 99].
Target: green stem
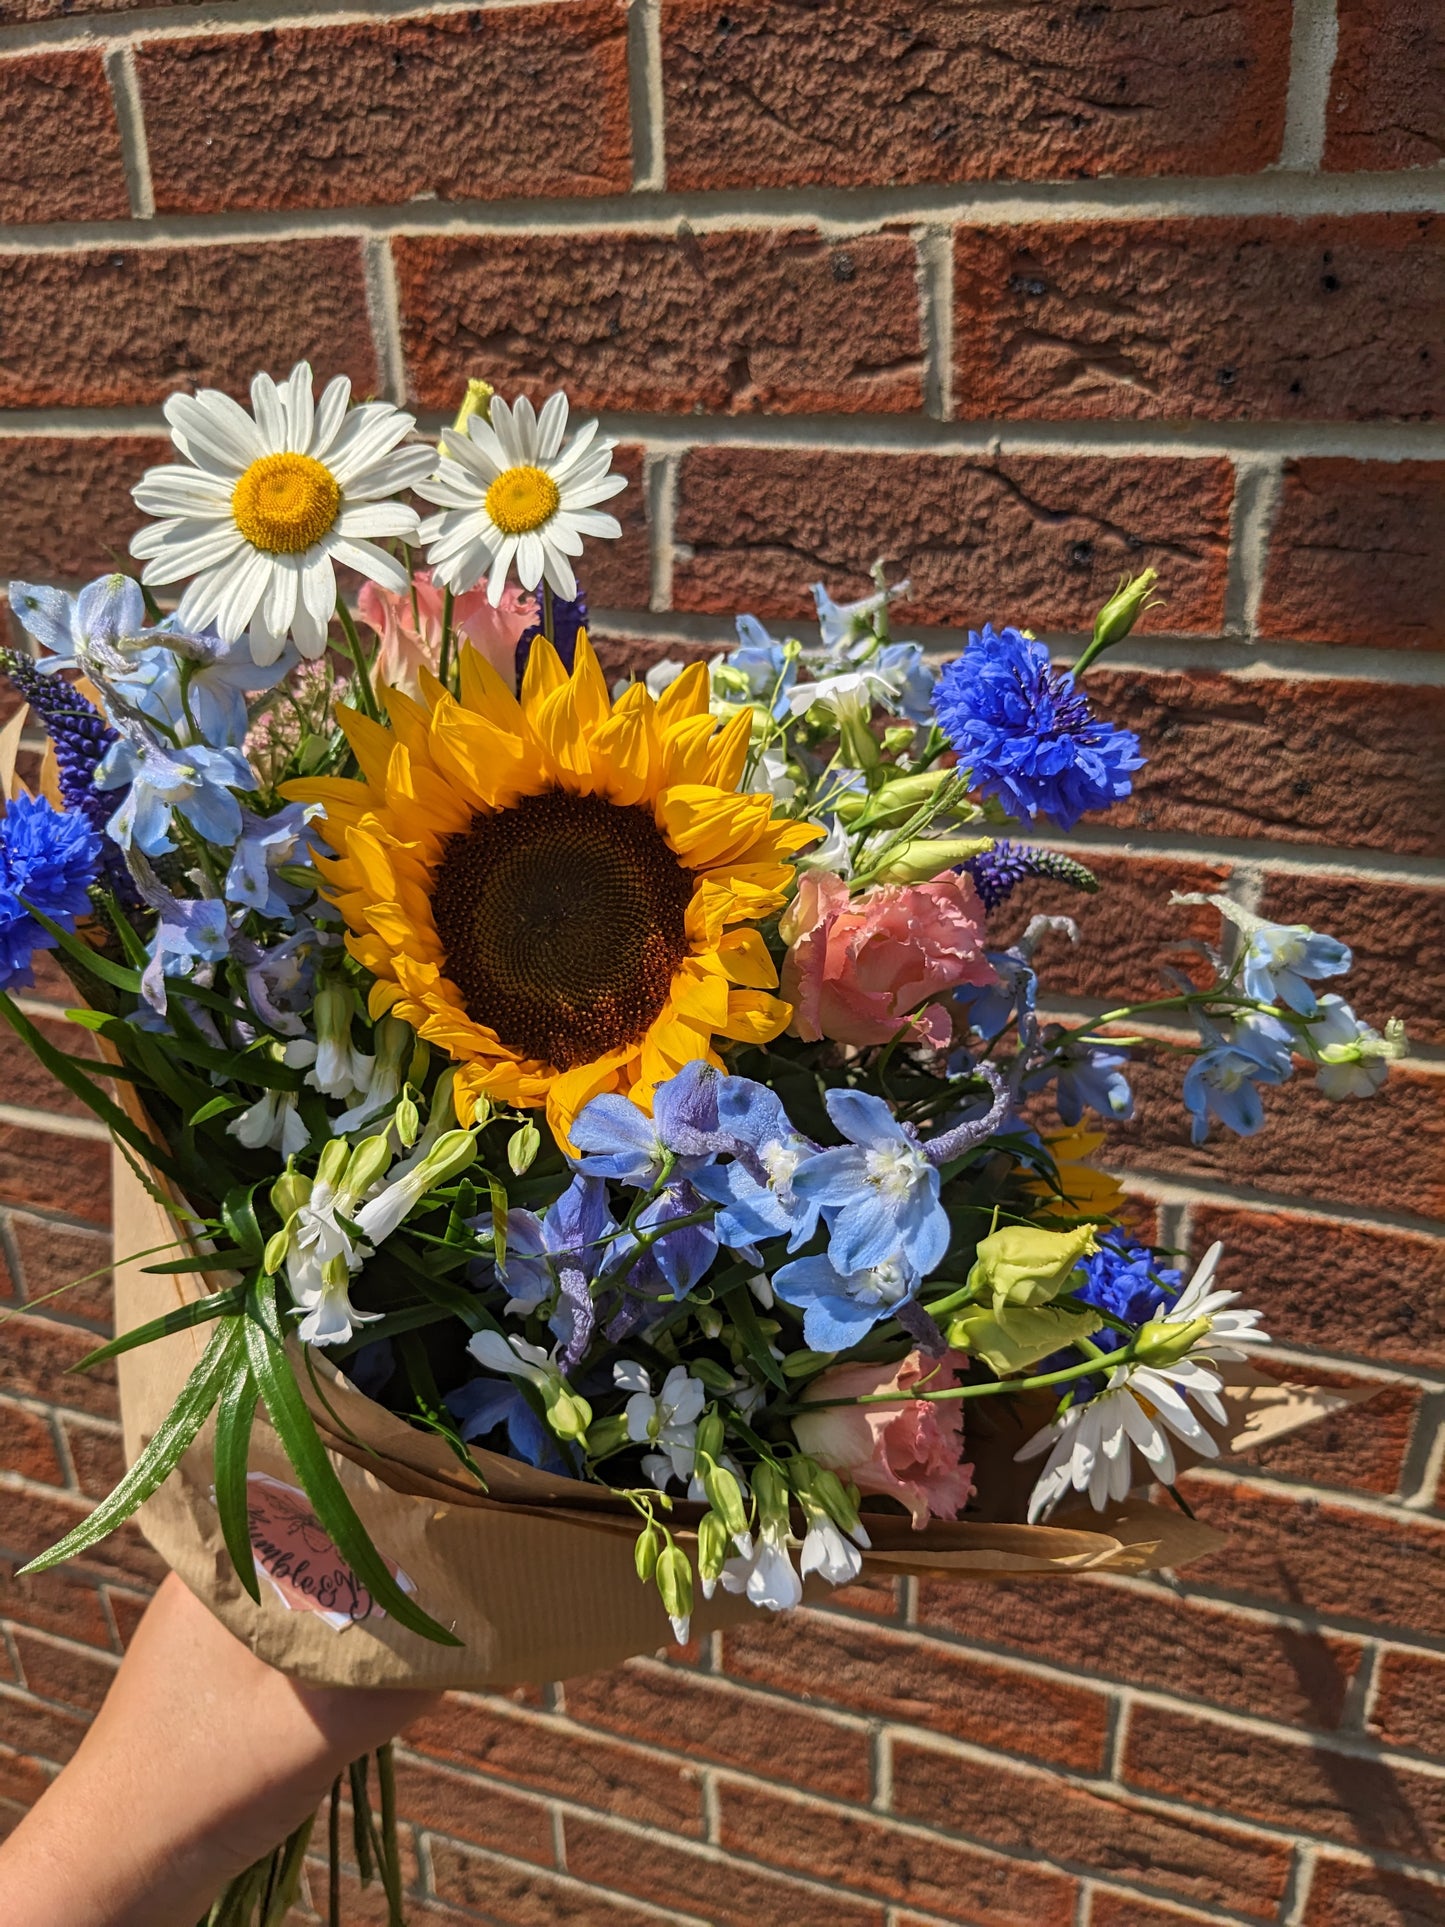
[1036, 1384]
[444, 661]
[549, 620]
[358, 655]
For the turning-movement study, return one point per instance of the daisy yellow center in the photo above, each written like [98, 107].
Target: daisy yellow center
[562, 920]
[284, 503]
[522, 499]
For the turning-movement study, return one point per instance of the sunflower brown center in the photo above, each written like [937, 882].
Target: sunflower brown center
[562, 920]
[283, 503]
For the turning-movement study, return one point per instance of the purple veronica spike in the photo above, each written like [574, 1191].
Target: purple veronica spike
[921, 1326]
[576, 1295]
[567, 619]
[998, 872]
[963, 1137]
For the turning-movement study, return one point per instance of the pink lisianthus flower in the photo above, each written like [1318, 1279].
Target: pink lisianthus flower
[857, 971]
[910, 1452]
[411, 637]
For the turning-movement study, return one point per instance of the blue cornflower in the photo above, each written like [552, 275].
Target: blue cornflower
[48, 859]
[1026, 735]
[196, 781]
[769, 669]
[1120, 1277]
[998, 872]
[878, 1193]
[619, 1140]
[841, 1307]
[1280, 956]
[756, 1187]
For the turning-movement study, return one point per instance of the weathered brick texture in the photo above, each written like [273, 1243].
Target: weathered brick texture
[1014, 298]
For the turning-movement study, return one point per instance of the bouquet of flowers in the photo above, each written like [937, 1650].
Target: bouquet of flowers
[614, 1092]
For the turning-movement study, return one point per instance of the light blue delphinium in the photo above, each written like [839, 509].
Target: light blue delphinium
[769, 669]
[265, 844]
[159, 781]
[619, 1140]
[1353, 1058]
[106, 612]
[991, 1008]
[197, 685]
[878, 1193]
[1222, 1082]
[841, 1307]
[188, 933]
[48, 860]
[552, 1259]
[755, 1188]
[1090, 1077]
[903, 667]
[850, 628]
[1279, 957]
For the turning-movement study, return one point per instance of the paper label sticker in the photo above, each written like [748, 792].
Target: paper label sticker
[296, 1553]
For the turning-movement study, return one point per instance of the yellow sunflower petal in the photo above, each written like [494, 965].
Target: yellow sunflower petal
[544, 674]
[755, 1018]
[707, 826]
[371, 743]
[687, 696]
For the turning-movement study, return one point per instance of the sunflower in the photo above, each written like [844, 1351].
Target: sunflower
[1084, 1191]
[556, 890]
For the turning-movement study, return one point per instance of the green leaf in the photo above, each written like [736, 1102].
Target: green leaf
[739, 1301]
[81, 1086]
[116, 975]
[296, 1428]
[159, 1459]
[499, 1219]
[235, 1416]
[208, 1261]
[220, 1304]
[238, 1214]
[216, 1107]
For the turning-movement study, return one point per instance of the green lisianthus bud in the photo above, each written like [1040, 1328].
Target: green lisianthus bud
[290, 1191]
[451, 1154]
[1162, 1343]
[922, 858]
[523, 1147]
[803, 1364]
[1016, 1336]
[277, 1245]
[420, 1063]
[713, 1541]
[333, 1162]
[568, 1414]
[897, 737]
[368, 1165]
[710, 1321]
[1022, 1265]
[407, 1119]
[476, 401]
[674, 1581]
[710, 1432]
[606, 1435]
[644, 1553]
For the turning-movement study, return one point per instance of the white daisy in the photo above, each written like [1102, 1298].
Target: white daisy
[510, 493]
[268, 506]
[1147, 1398]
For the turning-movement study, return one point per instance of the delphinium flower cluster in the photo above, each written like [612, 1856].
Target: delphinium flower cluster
[622, 1080]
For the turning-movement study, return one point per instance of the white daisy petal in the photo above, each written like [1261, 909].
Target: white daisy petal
[560, 576]
[300, 408]
[308, 632]
[330, 414]
[196, 546]
[213, 425]
[390, 474]
[377, 519]
[245, 584]
[370, 433]
[369, 560]
[318, 586]
[531, 560]
[501, 561]
[278, 609]
[269, 407]
[181, 491]
[551, 426]
[479, 449]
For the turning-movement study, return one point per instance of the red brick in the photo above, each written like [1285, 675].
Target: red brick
[1319, 1557]
[1123, 1910]
[128, 1610]
[30, 1524]
[729, 1892]
[731, 321]
[1036, 539]
[122, 326]
[21, 1779]
[468, 1809]
[55, 1173]
[828, 1843]
[16, 13]
[1291, 758]
[1396, 931]
[27, 1446]
[1387, 88]
[618, 575]
[71, 1674]
[1201, 319]
[45, 1733]
[522, 1897]
[54, 1602]
[469, 106]
[1357, 555]
[616, 1779]
[1381, 1295]
[97, 1455]
[850, 93]
[1349, 1893]
[60, 156]
[1409, 1707]
[55, 1255]
[624, 657]
[710, 1720]
[1126, 932]
[1307, 1788]
[1152, 1637]
[35, 1361]
[25, 1080]
[1360, 1448]
[1028, 1811]
[1310, 1145]
[898, 1677]
[65, 506]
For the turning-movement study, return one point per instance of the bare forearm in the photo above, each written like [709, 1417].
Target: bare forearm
[200, 1761]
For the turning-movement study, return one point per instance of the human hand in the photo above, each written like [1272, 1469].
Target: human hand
[200, 1761]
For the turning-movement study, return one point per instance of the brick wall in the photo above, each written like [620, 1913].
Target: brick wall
[1018, 295]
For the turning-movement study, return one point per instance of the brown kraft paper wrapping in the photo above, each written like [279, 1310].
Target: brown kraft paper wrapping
[536, 1576]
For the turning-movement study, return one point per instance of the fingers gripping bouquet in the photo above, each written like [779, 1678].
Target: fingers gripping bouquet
[620, 1087]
